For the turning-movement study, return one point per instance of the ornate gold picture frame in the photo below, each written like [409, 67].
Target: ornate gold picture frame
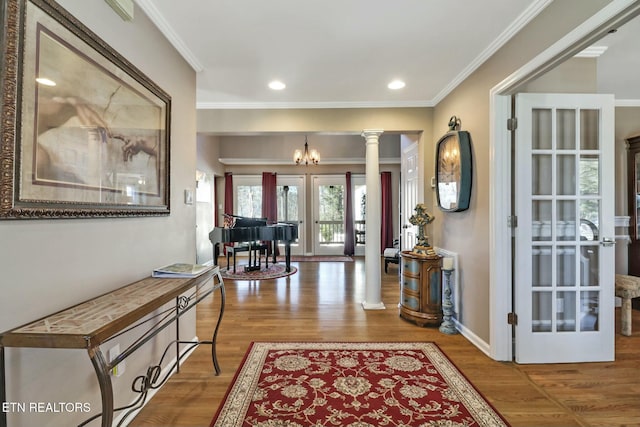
[84, 132]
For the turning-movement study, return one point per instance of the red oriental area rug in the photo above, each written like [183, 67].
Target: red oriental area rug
[352, 385]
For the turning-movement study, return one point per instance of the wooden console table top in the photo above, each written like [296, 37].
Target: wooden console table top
[88, 324]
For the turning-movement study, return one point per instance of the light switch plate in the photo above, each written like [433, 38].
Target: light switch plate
[188, 196]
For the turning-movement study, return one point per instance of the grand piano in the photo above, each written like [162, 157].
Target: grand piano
[253, 230]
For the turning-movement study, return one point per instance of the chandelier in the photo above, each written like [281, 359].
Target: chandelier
[306, 157]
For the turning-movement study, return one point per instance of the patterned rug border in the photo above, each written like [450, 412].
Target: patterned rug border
[486, 416]
[257, 275]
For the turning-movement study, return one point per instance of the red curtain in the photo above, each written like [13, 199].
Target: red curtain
[228, 193]
[216, 221]
[386, 237]
[349, 234]
[269, 199]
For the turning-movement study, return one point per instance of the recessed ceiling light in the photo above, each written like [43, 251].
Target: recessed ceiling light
[396, 84]
[277, 85]
[45, 81]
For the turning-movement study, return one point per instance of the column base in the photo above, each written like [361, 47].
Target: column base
[370, 306]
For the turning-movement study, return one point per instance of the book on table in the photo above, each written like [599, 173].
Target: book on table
[181, 270]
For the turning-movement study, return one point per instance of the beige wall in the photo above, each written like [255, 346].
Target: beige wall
[208, 151]
[576, 75]
[467, 233]
[49, 265]
[279, 148]
[343, 120]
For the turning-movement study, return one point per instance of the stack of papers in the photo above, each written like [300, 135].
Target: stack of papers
[180, 270]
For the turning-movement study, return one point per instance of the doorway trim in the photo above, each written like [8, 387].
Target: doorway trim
[611, 16]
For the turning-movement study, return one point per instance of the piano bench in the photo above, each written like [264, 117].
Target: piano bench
[257, 250]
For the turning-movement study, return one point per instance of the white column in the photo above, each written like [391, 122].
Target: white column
[373, 294]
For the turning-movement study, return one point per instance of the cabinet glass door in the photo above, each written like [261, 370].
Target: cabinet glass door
[637, 201]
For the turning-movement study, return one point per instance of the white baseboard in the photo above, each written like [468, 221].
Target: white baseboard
[184, 354]
[482, 345]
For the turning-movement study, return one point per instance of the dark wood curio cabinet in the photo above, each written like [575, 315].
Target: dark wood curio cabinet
[633, 172]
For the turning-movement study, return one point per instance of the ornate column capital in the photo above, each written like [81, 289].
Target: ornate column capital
[372, 135]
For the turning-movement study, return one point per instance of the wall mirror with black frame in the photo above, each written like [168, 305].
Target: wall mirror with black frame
[453, 169]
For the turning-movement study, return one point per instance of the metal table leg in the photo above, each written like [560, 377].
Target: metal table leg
[214, 337]
[3, 388]
[106, 389]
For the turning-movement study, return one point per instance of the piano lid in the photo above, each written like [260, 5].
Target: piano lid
[236, 221]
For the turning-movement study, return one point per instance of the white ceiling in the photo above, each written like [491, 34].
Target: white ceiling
[619, 64]
[335, 53]
[343, 53]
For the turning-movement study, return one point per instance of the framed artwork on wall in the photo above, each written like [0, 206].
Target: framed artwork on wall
[454, 171]
[84, 132]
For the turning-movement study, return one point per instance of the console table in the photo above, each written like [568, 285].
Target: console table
[97, 321]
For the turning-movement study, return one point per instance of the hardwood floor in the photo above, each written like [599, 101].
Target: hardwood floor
[322, 303]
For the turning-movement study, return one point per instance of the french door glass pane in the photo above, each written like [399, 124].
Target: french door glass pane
[541, 126]
[360, 212]
[566, 266]
[566, 129]
[566, 311]
[541, 220]
[541, 309]
[331, 214]
[589, 219]
[589, 313]
[589, 261]
[589, 174]
[589, 129]
[566, 175]
[541, 175]
[541, 266]
[287, 203]
[566, 222]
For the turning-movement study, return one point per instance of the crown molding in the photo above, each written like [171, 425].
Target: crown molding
[592, 52]
[309, 105]
[627, 102]
[167, 30]
[521, 21]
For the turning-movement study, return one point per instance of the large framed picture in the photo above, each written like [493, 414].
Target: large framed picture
[84, 132]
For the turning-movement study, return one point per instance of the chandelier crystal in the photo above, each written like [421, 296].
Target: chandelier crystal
[307, 156]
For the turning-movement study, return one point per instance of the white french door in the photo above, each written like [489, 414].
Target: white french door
[328, 214]
[291, 207]
[410, 188]
[564, 255]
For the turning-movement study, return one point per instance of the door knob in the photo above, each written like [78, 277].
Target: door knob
[607, 242]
